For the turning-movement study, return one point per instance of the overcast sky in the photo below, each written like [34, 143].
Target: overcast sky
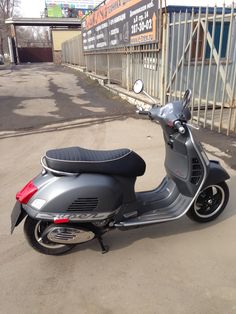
[33, 8]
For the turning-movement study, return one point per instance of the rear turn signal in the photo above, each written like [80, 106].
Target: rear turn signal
[24, 195]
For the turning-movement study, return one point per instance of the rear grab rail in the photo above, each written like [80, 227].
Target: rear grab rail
[62, 173]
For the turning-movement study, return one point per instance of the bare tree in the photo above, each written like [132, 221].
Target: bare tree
[7, 10]
[233, 4]
[33, 36]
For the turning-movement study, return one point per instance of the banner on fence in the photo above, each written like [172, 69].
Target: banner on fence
[117, 23]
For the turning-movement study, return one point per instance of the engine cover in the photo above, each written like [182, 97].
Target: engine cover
[67, 235]
[93, 194]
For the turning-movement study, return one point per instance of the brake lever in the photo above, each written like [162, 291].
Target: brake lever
[192, 126]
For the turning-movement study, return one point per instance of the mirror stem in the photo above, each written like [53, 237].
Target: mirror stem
[145, 93]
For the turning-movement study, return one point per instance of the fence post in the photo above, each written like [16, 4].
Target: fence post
[166, 56]
[108, 69]
[163, 62]
[218, 68]
[127, 70]
[196, 64]
[95, 64]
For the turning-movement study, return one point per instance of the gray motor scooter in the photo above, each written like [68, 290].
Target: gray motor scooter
[81, 194]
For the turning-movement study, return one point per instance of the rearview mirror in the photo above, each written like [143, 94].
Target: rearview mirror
[138, 86]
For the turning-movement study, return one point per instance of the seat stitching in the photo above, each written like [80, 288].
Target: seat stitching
[83, 161]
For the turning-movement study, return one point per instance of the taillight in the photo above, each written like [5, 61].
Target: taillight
[24, 195]
[61, 220]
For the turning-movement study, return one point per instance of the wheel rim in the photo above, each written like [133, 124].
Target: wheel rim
[209, 201]
[38, 231]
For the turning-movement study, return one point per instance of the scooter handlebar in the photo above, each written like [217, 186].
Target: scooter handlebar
[180, 128]
[143, 112]
[152, 113]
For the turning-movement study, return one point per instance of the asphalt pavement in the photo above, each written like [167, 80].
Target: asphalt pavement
[35, 95]
[178, 267]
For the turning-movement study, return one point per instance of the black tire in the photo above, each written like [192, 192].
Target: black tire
[33, 229]
[209, 203]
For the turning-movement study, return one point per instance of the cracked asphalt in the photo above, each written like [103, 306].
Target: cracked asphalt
[35, 95]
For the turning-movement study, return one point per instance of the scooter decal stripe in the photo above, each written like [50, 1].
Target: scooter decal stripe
[75, 217]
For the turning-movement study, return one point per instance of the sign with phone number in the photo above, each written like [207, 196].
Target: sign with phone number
[120, 23]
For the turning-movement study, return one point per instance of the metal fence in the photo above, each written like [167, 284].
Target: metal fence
[120, 66]
[72, 51]
[200, 54]
[197, 51]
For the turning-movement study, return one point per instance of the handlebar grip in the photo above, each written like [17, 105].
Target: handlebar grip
[143, 112]
[178, 125]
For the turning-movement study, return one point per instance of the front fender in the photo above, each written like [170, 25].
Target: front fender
[216, 173]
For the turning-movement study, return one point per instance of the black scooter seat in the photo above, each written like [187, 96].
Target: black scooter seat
[120, 162]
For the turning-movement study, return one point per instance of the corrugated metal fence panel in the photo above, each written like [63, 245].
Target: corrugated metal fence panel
[72, 51]
[101, 64]
[116, 68]
[145, 66]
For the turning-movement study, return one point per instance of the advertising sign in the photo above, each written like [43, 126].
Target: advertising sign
[70, 8]
[119, 23]
[54, 11]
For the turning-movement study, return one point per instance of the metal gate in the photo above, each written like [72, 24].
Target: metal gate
[35, 54]
[199, 53]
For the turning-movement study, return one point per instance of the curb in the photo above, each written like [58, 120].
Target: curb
[129, 96]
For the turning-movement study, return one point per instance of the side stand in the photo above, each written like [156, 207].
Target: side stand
[105, 248]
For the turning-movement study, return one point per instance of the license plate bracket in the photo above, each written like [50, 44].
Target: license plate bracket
[15, 215]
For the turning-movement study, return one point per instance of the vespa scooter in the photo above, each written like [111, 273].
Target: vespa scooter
[82, 194]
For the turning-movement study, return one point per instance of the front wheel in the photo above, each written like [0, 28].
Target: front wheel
[33, 231]
[209, 203]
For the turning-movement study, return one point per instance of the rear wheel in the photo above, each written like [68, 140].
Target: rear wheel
[209, 203]
[33, 231]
